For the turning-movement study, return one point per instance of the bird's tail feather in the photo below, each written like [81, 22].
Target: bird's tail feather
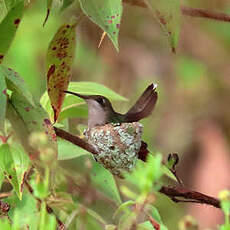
[144, 105]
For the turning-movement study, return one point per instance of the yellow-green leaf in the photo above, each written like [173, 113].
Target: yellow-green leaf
[3, 100]
[8, 27]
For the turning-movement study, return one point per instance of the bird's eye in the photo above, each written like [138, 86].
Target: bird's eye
[101, 101]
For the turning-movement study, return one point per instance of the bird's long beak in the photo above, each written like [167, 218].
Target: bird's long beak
[85, 97]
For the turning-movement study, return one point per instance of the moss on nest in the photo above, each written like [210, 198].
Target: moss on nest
[117, 145]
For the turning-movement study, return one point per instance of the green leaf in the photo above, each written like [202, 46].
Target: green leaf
[100, 178]
[67, 150]
[145, 226]
[14, 164]
[66, 3]
[148, 226]
[24, 213]
[96, 216]
[73, 106]
[168, 14]
[106, 14]
[15, 83]
[60, 57]
[47, 221]
[104, 181]
[168, 173]
[146, 174]
[42, 135]
[5, 224]
[76, 110]
[41, 187]
[3, 100]
[123, 207]
[8, 27]
[2, 177]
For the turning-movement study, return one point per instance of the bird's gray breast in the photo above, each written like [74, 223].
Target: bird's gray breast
[97, 114]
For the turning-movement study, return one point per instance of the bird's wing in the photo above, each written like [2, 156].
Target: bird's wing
[144, 105]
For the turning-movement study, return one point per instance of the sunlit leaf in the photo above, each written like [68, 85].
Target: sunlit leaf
[168, 173]
[16, 84]
[146, 173]
[24, 213]
[14, 164]
[77, 110]
[59, 61]
[8, 27]
[3, 100]
[168, 14]
[47, 220]
[106, 14]
[67, 150]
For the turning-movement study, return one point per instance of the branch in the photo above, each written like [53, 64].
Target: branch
[189, 11]
[176, 194]
[179, 194]
[75, 140]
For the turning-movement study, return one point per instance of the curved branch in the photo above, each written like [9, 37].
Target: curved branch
[189, 11]
[179, 194]
[176, 194]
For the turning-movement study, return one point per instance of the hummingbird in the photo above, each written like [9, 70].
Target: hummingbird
[101, 111]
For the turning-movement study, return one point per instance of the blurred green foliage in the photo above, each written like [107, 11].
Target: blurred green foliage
[193, 88]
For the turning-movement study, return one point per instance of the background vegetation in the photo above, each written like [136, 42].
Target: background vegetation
[191, 118]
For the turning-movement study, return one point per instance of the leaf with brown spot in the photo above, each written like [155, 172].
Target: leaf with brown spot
[60, 57]
[9, 26]
[36, 120]
[168, 14]
[15, 83]
[106, 14]
[14, 163]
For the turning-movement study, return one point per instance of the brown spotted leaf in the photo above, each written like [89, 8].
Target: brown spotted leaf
[168, 14]
[8, 27]
[106, 14]
[38, 126]
[14, 164]
[59, 61]
[16, 83]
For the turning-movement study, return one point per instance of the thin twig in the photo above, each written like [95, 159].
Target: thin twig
[176, 194]
[189, 11]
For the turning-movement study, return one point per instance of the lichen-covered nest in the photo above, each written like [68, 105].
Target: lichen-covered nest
[117, 145]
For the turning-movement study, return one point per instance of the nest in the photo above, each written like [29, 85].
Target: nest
[117, 145]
